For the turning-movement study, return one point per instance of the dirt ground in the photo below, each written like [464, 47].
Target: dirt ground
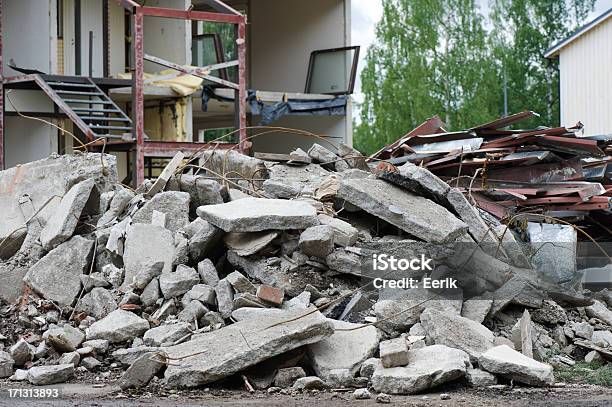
[76, 394]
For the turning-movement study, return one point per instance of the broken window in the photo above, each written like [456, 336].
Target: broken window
[332, 71]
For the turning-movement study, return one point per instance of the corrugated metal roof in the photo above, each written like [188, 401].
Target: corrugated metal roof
[554, 50]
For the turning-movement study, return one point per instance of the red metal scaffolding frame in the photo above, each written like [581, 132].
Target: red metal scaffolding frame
[160, 148]
[139, 12]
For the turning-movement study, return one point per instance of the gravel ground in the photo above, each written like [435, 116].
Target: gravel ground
[76, 394]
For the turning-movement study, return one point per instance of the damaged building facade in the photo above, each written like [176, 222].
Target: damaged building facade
[292, 64]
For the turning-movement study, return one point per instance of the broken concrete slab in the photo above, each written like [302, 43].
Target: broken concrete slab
[525, 333]
[208, 272]
[64, 339]
[98, 303]
[476, 309]
[394, 352]
[222, 162]
[192, 312]
[118, 326]
[317, 241]
[42, 375]
[141, 372]
[352, 157]
[600, 311]
[63, 221]
[177, 283]
[504, 361]
[72, 257]
[173, 203]
[427, 367]
[203, 237]
[393, 310]
[240, 283]
[344, 233]
[418, 180]
[225, 298]
[11, 282]
[322, 155]
[258, 214]
[457, 332]
[121, 199]
[246, 244]
[346, 349]
[6, 364]
[480, 378]
[165, 335]
[166, 174]
[287, 376]
[146, 245]
[45, 182]
[245, 344]
[201, 292]
[413, 214]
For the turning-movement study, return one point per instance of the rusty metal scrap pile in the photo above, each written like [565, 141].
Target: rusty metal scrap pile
[549, 171]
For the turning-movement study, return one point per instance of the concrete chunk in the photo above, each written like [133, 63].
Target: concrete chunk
[344, 349]
[240, 283]
[173, 203]
[317, 241]
[413, 214]
[394, 352]
[246, 244]
[165, 334]
[225, 298]
[141, 372]
[503, 360]
[118, 326]
[344, 233]
[179, 282]
[203, 237]
[72, 258]
[41, 375]
[63, 222]
[244, 344]
[457, 332]
[208, 272]
[257, 214]
[6, 364]
[40, 181]
[600, 311]
[98, 303]
[427, 367]
[146, 245]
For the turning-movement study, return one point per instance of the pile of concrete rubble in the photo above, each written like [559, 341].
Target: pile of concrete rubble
[259, 271]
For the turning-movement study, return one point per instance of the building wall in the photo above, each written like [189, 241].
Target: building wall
[282, 34]
[586, 80]
[25, 139]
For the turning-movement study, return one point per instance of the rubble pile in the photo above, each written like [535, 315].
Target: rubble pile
[555, 172]
[261, 271]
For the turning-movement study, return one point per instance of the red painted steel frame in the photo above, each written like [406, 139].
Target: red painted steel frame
[138, 95]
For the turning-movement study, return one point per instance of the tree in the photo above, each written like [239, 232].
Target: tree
[436, 57]
[522, 30]
[430, 57]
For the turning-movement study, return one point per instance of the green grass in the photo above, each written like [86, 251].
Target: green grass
[581, 372]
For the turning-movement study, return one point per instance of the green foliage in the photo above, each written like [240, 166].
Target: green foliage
[444, 57]
[590, 373]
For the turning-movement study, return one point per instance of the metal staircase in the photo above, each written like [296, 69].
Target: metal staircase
[88, 107]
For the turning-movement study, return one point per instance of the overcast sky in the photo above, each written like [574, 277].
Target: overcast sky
[366, 13]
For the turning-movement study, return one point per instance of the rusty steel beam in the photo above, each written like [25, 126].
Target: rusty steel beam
[192, 15]
[138, 95]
